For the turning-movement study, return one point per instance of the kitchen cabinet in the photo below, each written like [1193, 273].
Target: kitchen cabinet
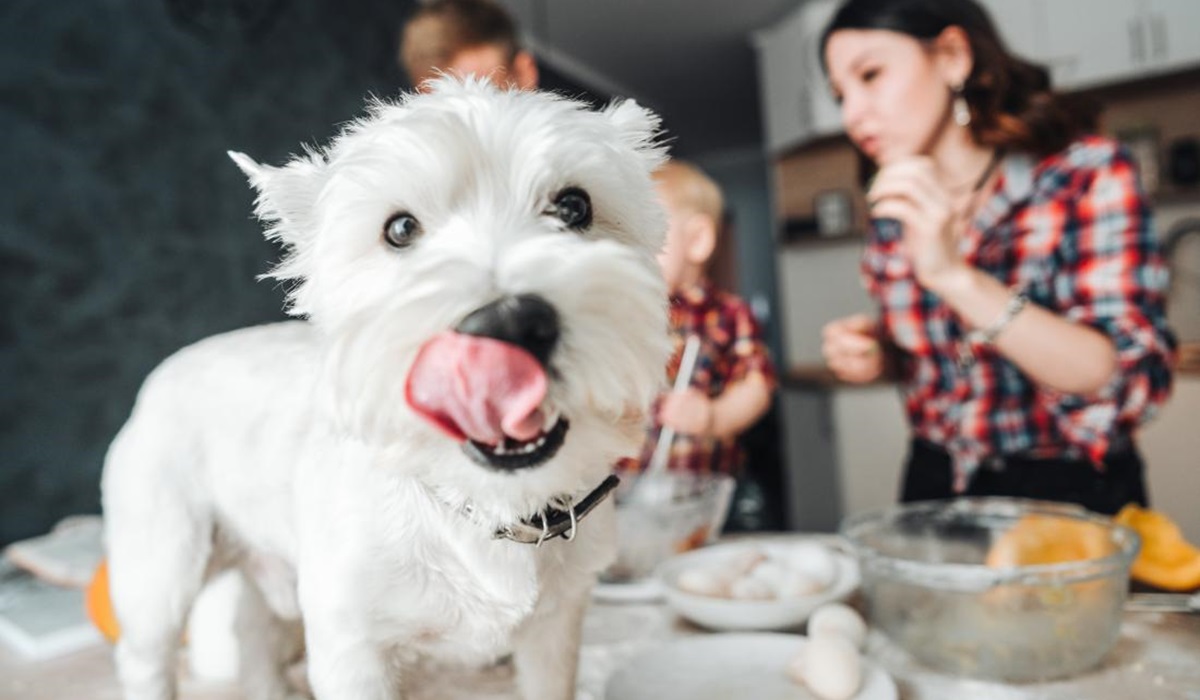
[797, 104]
[870, 444]
[1087, 43]
[779, 77]
[1173, 33]
[1017, 23]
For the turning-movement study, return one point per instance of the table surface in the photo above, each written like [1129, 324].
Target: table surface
[1156, 658]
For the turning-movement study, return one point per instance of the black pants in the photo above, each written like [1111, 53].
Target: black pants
[929, 475]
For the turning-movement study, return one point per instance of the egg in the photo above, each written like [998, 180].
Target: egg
[701, 581]
[796, 668]
[743, 562]
[813, 560]
[839, 620]
[750, 588]
[797, 585]
[770, 572]
[832, 668]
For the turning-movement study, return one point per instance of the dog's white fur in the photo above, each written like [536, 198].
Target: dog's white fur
[288, 451]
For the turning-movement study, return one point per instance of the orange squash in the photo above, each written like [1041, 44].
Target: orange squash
[1167, 560]
[1040, 539]
[99, 604]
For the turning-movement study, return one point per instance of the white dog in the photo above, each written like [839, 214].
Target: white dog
[408, 470]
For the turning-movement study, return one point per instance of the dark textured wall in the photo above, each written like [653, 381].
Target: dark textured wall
[125, 231]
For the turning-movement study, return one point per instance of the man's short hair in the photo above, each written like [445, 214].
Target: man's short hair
[440, 29]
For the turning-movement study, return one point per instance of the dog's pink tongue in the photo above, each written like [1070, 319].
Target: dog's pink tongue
[477, 388]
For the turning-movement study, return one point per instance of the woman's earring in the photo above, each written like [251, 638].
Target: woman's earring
[962, 112]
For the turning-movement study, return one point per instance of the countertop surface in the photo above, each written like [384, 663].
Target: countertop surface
[1156, 658]
[819, 376]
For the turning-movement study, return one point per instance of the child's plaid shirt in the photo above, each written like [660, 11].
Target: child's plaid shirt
[1072, 232]
[731, 348]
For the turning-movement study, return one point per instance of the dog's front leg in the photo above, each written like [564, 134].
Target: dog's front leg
[344, 664]
[546, 647]
[344, 660]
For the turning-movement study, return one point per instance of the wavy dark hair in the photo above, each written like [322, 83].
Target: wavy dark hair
[1012, 103]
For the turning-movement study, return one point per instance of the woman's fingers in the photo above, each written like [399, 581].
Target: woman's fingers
[913, 179]
[851, 349]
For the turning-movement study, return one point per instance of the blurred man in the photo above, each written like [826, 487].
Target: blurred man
[465, 37]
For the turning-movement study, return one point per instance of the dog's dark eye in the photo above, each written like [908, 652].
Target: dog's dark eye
[573, 207]
[401, 230]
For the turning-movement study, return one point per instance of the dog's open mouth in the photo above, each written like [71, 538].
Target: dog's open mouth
[490, 395]
[511, 454]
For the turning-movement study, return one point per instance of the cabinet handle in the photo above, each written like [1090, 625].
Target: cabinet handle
[804, 106]
[1137, 50]
[1159, 29]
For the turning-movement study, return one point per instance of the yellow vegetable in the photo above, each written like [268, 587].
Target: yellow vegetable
[1167, 560]
[99, 605]
[1043, 539]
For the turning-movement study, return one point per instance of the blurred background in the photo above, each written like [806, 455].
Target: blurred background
[126, 233]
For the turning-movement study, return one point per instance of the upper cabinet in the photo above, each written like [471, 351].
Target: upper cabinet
[1084, 43]
[797, 104]
[1017, 22]
[1089, 43]
[1173, 31]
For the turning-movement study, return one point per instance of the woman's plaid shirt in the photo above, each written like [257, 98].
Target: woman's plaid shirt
[1072, 232]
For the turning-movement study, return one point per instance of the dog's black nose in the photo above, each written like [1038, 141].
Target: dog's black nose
[525, 320]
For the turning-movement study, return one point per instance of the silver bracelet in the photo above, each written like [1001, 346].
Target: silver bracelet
[987, 336]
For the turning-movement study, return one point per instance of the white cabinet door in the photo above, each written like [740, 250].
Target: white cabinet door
[825, 113]
[796, 101]
[1173, 28]
[1092, 42]
[1016, 21]
[780, 83]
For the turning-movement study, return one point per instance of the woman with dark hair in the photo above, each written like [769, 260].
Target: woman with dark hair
[1011, 253]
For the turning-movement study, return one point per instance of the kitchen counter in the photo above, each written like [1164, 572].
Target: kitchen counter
[820, 377]
[1155, 658]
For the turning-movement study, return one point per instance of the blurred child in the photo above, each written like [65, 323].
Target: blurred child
[731, 386]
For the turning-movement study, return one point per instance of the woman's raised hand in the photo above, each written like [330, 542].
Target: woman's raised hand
[908, 191]
[852, 350]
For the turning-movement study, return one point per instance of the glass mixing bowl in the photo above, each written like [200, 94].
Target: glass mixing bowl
[928, 588]
[687, 512]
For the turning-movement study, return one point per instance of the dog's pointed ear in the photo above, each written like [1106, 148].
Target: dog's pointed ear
[640, 128]
[286, 197]
[246, 164]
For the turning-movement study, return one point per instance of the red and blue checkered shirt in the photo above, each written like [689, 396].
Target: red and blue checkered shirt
[731, 348]
[1074, 233]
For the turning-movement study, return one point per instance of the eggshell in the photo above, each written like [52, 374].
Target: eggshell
[798, 585]
[771, 573]
[795, 667]
[832, 667]
[750, 588]
[701, 581]
[743, 562]
[839, 620]
[813, 560]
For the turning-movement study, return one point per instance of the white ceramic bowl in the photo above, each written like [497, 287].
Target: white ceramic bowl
[727, 614]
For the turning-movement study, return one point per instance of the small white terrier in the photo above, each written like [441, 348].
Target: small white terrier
[408, 470]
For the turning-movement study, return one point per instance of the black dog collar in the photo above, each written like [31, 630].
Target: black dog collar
[557, 522]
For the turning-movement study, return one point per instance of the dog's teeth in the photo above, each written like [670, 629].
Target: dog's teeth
[499, 449]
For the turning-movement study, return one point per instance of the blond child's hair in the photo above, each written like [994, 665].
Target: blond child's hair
[692, 188]
[440, 29]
